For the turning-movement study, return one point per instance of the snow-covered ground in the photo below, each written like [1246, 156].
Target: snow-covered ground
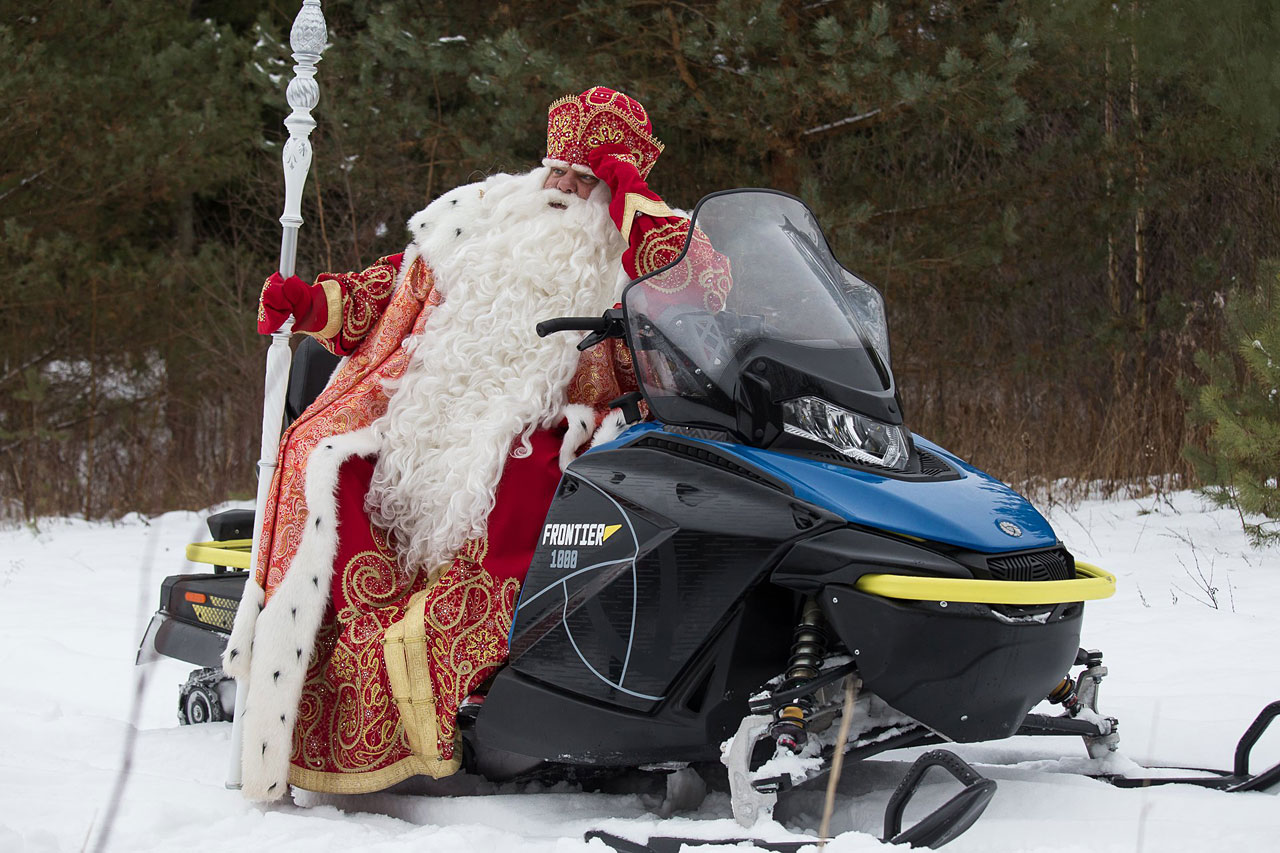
[1186, 679]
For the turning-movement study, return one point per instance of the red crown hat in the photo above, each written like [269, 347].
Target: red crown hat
[578, 123]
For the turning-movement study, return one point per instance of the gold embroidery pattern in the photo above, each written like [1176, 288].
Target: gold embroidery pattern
[593, 383]
[342, 718]
[474, 550]
[385, 745]
[364, 295]
[624, 369]
[381, 697]
[468, 620]
[370, 579]
[702, 265]
[344, 721]
[658, 247]
[418, 282]
[262, 309]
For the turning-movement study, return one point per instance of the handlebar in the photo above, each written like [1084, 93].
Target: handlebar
[572, 324]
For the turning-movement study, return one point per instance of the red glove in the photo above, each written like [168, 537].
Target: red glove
[613, 163]
[282, 298]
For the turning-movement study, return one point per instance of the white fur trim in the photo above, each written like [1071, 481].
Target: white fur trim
[581, 420]
[613, 425]
[239, 650]
[285, 633]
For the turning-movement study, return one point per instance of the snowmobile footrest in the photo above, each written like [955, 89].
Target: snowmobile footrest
[665, 844]
[952, 818]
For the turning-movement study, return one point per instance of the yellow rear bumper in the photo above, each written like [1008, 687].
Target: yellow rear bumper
[233, 553]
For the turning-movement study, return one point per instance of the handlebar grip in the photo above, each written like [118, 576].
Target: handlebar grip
[571, 324]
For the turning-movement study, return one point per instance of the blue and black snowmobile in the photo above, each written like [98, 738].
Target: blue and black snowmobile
[712, 586]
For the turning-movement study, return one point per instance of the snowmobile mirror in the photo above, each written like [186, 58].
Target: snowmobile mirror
[759, 417]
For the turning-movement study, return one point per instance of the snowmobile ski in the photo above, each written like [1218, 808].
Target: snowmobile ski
[942, 825]
[671, 844]
[1238, 779]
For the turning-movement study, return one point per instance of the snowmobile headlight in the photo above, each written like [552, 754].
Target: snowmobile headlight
[860, 438]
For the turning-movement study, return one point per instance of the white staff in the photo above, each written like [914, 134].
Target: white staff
[307, 38]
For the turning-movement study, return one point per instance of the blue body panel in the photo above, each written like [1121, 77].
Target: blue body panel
[966, 512]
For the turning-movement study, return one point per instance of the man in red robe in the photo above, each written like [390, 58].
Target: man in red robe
[408, 497]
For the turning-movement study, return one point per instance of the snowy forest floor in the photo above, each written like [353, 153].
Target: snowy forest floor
[1186, 678]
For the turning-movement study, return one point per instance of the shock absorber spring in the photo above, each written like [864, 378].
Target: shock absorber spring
[808, 649]
[1065, 695]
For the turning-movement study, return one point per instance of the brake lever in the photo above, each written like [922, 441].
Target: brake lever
[614, 328]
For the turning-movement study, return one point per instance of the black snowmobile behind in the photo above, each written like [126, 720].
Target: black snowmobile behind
[709, 585]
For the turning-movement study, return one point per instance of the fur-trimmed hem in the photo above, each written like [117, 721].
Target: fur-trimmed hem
[285, 631]
[613, 425]
[581, 419]
[239, 651]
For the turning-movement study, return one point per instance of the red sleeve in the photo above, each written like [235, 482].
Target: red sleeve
[656, 234]
[353, 304]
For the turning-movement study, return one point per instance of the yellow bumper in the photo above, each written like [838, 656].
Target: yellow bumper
[1090, 584]
[233, 553]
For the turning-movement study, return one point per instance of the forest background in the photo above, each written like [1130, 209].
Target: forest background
[1059, 199]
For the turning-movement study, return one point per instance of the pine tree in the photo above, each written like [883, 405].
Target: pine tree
[1240, 405]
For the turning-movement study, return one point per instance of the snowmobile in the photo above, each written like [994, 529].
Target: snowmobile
[711, 585]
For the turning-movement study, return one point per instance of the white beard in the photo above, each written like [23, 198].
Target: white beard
[479, 376]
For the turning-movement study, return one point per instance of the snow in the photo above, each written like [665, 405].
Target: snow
[1186, 678]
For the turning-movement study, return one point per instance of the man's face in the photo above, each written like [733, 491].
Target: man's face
[569, 181]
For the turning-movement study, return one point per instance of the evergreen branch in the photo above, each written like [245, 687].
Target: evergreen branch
[682, 67]
[32, 362]
[22, 183]
[842, 122]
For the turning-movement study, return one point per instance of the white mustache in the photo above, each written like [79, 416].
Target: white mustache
[554, 195]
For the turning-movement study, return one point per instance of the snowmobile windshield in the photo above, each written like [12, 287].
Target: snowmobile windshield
[755, 312]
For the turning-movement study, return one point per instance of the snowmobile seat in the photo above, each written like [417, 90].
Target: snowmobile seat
[231, 524]
[308, 374]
